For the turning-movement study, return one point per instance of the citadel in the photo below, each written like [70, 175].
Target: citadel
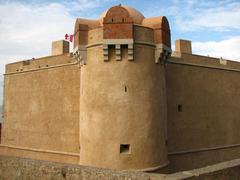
[123, 99]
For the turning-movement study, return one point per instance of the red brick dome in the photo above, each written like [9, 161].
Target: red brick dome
[124, 11]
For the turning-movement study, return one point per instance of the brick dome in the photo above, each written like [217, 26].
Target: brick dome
[132, 13]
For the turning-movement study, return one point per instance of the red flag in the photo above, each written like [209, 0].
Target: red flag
[66, 36]
[69, 37]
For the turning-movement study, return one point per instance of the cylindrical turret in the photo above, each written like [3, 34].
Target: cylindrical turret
[122, 101]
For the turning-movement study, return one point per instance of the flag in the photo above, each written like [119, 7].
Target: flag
[69, 37]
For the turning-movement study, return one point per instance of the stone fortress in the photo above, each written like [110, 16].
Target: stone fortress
[123, 100]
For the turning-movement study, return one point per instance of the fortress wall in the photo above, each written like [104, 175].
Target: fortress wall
[39, 63]
[203, 111]
[113, 113]
[41, 106]
[40, 154]
[123, 103]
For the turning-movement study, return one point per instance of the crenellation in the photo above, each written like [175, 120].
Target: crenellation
[118, 52]
[105, 52]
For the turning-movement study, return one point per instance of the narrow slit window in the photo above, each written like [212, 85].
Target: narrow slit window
[179, 108]
[124, 148]
[125, 88]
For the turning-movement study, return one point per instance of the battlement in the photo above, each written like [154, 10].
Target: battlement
[39, 63]
[119, 25]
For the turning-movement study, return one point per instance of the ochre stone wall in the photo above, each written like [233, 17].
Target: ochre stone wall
[40, 154]
[95, 36]
[123, 102]
[203, 111]
[41, 104]
[60, 47]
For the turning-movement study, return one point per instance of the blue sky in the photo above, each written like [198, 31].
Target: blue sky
[28, 27]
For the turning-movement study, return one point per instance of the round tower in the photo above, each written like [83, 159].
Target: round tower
[123, 100]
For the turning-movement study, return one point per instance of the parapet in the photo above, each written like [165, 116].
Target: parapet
[118, 25]
[183, 46]
[60, 47]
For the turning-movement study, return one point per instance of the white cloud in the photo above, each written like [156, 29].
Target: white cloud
[218, 16]
[228, 48]
[196, 15]
[28, 28]
[27, 31]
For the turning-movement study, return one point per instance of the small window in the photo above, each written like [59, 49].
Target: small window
[166, 142]
[125, 88]
[124, 148]
[179, 108]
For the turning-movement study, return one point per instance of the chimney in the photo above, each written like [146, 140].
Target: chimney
[183, 46]
[60, 47]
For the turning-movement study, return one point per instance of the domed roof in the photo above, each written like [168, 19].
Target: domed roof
[133, 13]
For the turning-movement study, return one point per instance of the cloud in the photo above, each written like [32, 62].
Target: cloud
[27, 28]
[213, 16]
[83, 6]
[196, 15]
[228, 48]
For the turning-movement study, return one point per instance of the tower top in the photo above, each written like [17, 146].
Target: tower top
[123, 18]
[118, 25]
